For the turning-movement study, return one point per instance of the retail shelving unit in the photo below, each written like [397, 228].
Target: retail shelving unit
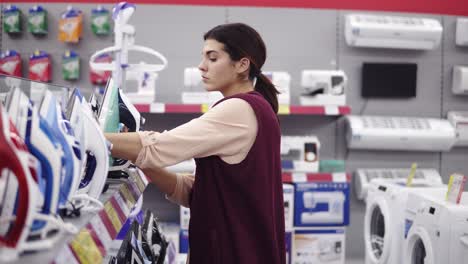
[294, 177]
[96, 230]
[160, 108]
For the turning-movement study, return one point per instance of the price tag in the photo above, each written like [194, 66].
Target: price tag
[205, 108]
[339, 177]
[299, 177]
[456, 186]
[142, 176]
[409, 180]
[157, 108]
[332, 110]
[113, 216]
[122, 204]
[85, 248]
[284, 110]
[101, 232]
[139, 182]
[128, 197]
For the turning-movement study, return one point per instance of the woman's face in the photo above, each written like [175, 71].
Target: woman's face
[217, 69]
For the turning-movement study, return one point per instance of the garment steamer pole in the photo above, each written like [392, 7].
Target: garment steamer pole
[124, 42]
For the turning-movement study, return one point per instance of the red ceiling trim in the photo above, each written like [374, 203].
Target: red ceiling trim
[445, 7]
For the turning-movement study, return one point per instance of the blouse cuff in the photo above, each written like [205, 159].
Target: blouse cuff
[147, 138]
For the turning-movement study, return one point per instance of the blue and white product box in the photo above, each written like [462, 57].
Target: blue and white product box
[184, 217]
[288, 197]
[183, 241]
[181, 257]
[321, 204]
[288, 241]
[319, 246]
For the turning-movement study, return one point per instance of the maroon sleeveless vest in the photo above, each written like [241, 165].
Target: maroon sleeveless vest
[236, 210]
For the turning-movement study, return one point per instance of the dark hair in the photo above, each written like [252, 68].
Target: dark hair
[242, 41]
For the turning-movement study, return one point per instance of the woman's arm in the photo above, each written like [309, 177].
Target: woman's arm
[165, 181]
[128, 146]
[125, 145]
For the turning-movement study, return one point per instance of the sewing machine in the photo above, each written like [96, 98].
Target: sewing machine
[335, 205]
[323, 87]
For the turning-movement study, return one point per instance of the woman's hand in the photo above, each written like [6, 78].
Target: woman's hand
[124, 145]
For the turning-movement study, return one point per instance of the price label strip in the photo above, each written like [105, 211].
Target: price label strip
[113, 216]
[85, 248]
[101, 231]
[139, 182]
[205, 108]
[129, 200]
[284, 110]
[456, 186]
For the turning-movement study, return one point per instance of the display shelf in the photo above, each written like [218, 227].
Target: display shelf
[96, 230]
[160, 108]
[294, 177]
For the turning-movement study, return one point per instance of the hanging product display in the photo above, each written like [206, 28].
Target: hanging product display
[42, 185]
[70, 25]
[51, 112]
[99, 77]
[143, 243]
[18, 198]
[12, 19]
[100, 21]
[43, 144]
[70, 66]
[10, 63]
[37, 20]
[112, 108]
[93, 152]
[40, 66]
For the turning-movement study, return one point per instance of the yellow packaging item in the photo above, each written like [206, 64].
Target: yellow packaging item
[409, 180]
[70, 26]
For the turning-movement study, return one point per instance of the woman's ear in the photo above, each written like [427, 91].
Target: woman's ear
[243, 65]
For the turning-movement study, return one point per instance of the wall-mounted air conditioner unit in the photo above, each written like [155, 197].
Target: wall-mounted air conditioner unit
[378, 31]
[399, 133]
[363, 177]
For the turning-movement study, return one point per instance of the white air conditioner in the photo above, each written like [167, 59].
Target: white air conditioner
[399, 133]
[363, 177]
[378, 31]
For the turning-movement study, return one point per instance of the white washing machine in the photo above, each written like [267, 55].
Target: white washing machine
[437, 231]
[384, 220]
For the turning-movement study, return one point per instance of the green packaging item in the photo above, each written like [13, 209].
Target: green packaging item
[70, 66]
[100, 21]
[37, 20]
[12, 19]
[332, 166]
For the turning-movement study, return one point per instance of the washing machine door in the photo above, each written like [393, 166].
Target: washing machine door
[418, 248]
[377, 236]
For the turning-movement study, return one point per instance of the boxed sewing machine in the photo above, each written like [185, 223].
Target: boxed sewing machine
[322, 203]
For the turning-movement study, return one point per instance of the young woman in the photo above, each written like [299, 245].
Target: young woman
[236, 195]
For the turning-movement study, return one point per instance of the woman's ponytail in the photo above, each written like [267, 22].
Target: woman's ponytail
[265, 87]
